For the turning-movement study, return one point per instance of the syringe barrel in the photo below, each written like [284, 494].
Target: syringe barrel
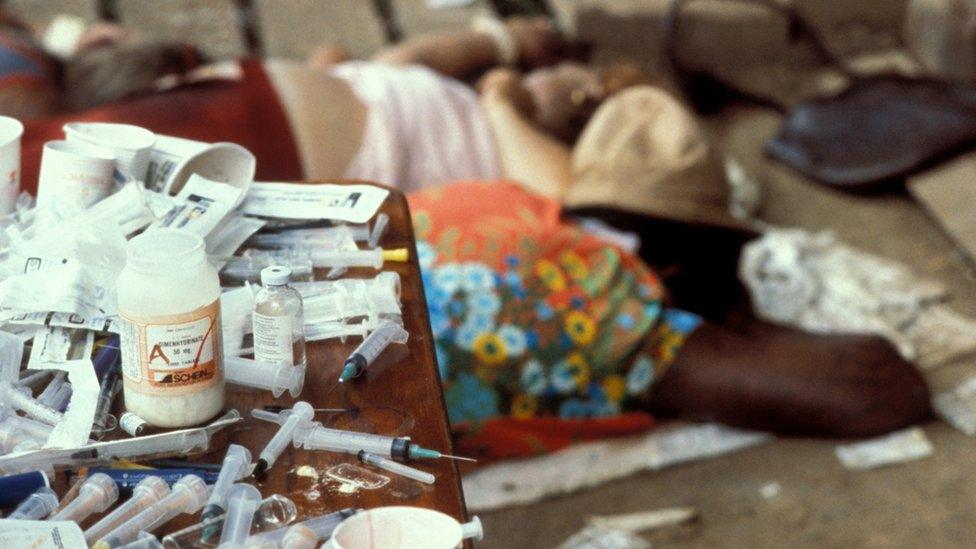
[234, 467]
[322, 525]
[242, 502]
[149, 491]
[299, 536]
[275, 511]
[300, 413]
[97, 493]
[395, 467]
[380, 339]
[28, 405]
[144, 540]
[270, 377]
[186, 496]
[37, 506]
[348, 258]
[348, 442]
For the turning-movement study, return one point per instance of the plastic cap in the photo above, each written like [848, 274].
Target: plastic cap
[161, 249]
[104, 487]
[197, 488]
[396, 254]
[275, 275]
[154, 486]
[473, 529]
[242, 456]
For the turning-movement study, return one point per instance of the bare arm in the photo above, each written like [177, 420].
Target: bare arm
[457, 54]
[528, 156]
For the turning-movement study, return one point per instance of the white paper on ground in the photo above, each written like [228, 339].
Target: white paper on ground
[352, 203]
[11, 354]
[75, 427]
[898, 447]
[200, 206]
[593, 463]
[41, 534]
[957, 406]
[644, 520]
[599, 537]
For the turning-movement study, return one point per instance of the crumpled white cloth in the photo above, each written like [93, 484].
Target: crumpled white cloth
[423, 129]
[813, 282]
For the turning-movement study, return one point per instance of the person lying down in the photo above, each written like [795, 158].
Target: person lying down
[546, 334]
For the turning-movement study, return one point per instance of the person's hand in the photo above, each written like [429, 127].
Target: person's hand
[783, 380]
[538, 44]
[505, 86]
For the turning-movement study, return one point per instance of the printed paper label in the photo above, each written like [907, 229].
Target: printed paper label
[273, 339]
[172, 355]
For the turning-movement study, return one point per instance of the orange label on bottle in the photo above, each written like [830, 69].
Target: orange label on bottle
[174, 354]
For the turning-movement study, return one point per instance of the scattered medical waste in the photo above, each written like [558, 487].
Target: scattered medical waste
[154, 281]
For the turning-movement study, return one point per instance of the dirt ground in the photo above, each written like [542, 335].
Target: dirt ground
[924, 503]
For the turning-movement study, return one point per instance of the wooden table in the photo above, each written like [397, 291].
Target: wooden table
[400, 394]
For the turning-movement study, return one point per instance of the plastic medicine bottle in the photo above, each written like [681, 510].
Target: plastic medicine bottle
[278, 321]
[169, 303]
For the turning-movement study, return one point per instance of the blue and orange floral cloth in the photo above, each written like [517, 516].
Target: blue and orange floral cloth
[545, 335]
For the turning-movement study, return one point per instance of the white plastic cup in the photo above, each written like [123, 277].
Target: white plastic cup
[398, 527]
[173, 160]
[130, 144]
[11, 132]
[74, 174]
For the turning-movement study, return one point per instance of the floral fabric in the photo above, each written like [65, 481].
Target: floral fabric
[536, 321]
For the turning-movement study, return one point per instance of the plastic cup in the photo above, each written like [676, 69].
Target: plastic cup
[173, 160]
[75, 174]
[11, 131]
[398, 527]
[130, 144]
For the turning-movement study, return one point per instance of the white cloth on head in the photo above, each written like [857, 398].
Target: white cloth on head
[423, 129]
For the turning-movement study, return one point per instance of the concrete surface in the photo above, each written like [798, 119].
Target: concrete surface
[211, 25]
[925, 503]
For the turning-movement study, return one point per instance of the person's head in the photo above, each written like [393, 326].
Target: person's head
[566, 95]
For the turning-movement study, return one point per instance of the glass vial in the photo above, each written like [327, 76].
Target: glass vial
[278, 320]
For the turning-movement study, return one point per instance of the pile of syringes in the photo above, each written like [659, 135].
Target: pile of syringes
[73, 361]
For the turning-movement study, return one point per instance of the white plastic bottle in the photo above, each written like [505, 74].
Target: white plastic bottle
[169, 302]
[278, 320]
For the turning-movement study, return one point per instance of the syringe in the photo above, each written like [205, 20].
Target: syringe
[322, 526]
[144, 540]
[395, 467]
[148, 492]
[13, 439]
[110, 386]
[173, 443]
[313, 436]
[47, 396]
[237, 462]
[276, 378]
[186, 496]
[242, 502]
[275, 511]
[299, 417]
[14, 397]
[37, 506]
[249, 265]
[299, 536]
[338, 259]
[371, 347]
[96, 494]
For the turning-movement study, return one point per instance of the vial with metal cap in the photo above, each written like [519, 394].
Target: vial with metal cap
[278, 320]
